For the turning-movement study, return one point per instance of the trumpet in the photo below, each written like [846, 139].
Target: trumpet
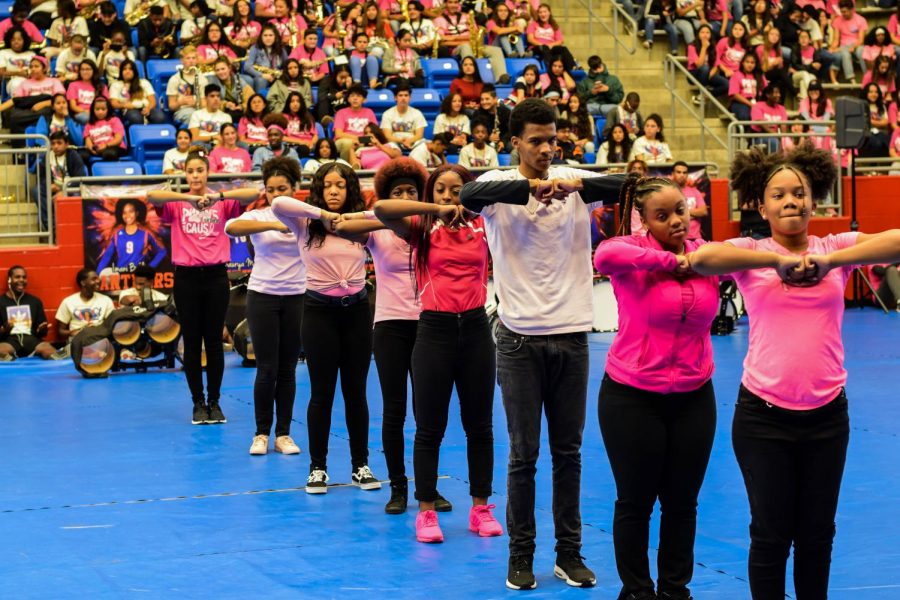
[513, 39]
[262, 70]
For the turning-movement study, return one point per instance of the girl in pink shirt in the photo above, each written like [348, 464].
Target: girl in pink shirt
[200, 250]
[337, 325]
[301, 125]
[453, 342]
[104, 135]
[791, 424]
[81, 93]
[251, 129]
[274, 307]
[746, 87]
[657, 406]
[730, 50]
[228, 157]
[545, 39]
[396, 315]
[214, 44]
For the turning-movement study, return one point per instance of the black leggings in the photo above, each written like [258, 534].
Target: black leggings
[658, 446]
[275, 329]
[454, 348]
[394, 341]
[337, 338]
[792, 462]
[201, 295]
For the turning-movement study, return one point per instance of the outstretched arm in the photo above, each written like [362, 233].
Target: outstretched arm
[396, 214]
[721, 259]
[869, 249]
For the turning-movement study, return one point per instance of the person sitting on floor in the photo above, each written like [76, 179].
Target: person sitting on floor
[23, 322]
[83, 308]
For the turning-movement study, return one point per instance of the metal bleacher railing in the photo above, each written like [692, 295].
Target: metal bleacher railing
[627, 42]
[26, 216]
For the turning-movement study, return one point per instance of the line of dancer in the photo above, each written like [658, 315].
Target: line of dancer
[432, 236]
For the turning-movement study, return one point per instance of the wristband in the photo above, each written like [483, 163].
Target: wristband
[221, 195]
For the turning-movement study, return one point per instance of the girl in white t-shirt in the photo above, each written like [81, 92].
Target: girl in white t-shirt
[174, 158]
[651, 147]
[15, 58]
[135, 97]
[452, 119]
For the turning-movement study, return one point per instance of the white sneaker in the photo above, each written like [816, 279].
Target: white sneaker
[260, 445]
[317, 482]
[285, 445]
[647, 44]
[364, 479]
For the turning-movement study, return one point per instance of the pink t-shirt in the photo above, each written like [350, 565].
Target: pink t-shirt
[300, 53]
[663, 343]
[849, 29]
[761, 111]
[796, 354]
[82, 92]
[694, 198]
[338, 266]
[888, 86]
[298, 129]
[47, 85]
[198, 236]
[729, 56]
[895, 141]
[455, 277]
[30, 28]
[102, 132]
[742, 84]
[893, 26]
[372, 157]
[254, 131]
[544, 34]
[278, 268]
[223, 160]
[870, 53]
[354, 122]
[207, 53]
[396, 297]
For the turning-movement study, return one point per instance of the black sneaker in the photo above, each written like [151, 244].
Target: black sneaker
[520, 575]
[675, 596]
[317, 482]
[399, 500]
[570, 568]
[201, 414]
[641, 595]
[364, 479]
[215, 414]
[441, 504]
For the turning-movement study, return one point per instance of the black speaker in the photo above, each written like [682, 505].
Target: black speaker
[851, 121]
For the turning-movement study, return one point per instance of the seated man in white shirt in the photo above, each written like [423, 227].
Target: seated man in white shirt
[433, 154]
[84, 308]
[403, 124]
[206, 122]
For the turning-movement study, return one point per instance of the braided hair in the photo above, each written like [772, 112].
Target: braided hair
[634, 191]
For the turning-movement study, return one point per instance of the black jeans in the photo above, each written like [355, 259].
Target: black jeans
[274, 323]
[201, 295]
[393, 342]
[658, 447]
[337, 338]
[454, 349]
[546, 373]
[792, 462]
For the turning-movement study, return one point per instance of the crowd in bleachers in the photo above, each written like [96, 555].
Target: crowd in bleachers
[137, 83]
[761, 57]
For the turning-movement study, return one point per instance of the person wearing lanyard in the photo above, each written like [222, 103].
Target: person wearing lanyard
[396, 316]
[200, 250]
[274, 307]
[337, 324]
[453, 341]
[791, 424]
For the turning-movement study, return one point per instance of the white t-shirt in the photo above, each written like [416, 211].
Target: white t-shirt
[208, 122]
[470, 156]
[278, 268]
[60, 32]
[542, 258]
[114, 61]
[403, 126]
[67, 61]
[455, 125]
[174, 159]
[78, 313]
[313, 165]
[119, 90]
[425, 156]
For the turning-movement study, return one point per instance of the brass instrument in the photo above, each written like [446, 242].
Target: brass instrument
[262, 70]
[436, 45]
[140, 13]
[167, 43]
[476, 36]
[210, 66]
[404, 9]
[87, 11]
[294, 34]
[513, 39]
[496, 125]
[198, 93]
[320, 11]
[342, 36]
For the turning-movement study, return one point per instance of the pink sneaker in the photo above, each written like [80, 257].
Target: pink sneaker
[482, 521]
[428, 530]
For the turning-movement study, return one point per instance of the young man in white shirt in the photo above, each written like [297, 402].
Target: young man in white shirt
[403, 124]
[537, 220]
[433, 154]
[206, 122]
[477, 153]
[183, 88]
[84, 308]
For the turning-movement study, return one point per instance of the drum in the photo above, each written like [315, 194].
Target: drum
[606, 310]
[126, 332]
[98, 358]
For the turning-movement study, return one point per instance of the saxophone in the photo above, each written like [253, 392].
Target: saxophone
[196, 86]
[476, 36]
[342, 36]
[496, 125]
[436, 45]
[263, 70]
[139, 13]
[87, 11]
[320, 11]
[404, 9]
[292, 28]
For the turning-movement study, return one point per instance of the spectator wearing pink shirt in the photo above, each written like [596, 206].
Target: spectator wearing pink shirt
[546, 39]
[882, 74]
[311, 57]
[773, 111]
[745, 87]
[19, 18]
[657, 405]
[693, 198]
[850, 31]
[228, 157]
[350, 122]
[34, 96]
[730, 50]
[878, 44]
[81, 92]
[791, 425]
[104, 134]
[882, 120]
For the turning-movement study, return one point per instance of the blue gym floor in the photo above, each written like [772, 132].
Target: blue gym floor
[107, 491]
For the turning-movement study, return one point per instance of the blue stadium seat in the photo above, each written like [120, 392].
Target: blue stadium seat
[153, 167]
[515, 66]
[504, 91]
[590, 158]
[159, 70]
[320, 131]
[485, 70]
[429, 129]
[134, 39]
[503, 159]
[151, 141]
[578, 75]
[379, 101]
[439, 72]
[124, 168]
[142, 71]
[426, 100]
[453, 158]
[599, 124]
[5, 8]
[315, 95]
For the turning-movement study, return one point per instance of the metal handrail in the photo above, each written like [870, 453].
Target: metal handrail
[739, 137]
[40, 149]
[882, 164]
[618, 13]
[673, 66]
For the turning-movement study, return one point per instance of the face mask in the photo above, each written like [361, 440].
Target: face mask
[116, 47]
